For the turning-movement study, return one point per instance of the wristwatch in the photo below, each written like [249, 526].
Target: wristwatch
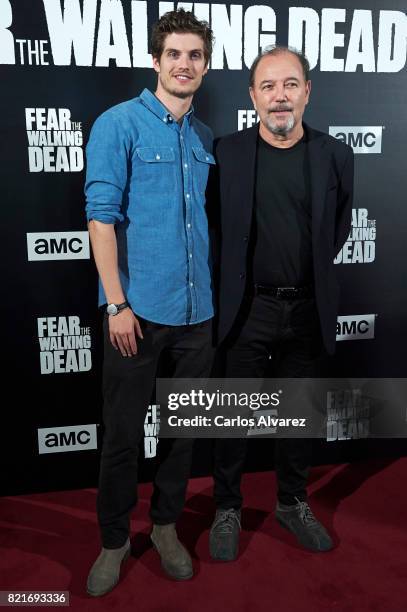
[114, 309]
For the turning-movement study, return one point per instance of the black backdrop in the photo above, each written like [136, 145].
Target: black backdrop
[63, 63]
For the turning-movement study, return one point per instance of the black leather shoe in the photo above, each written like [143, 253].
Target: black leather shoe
[224, 535]
[300, 520]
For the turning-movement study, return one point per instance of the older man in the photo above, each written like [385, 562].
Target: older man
[286, 199]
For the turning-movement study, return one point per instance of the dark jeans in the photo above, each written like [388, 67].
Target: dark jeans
[128, 385]
[280, 338]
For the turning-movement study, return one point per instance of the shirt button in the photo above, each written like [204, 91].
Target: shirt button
[191, 284]
[207, 158]
[190, 255]
[185, 165]
[188, 225]
[242, 275]
[181, 137]
[245, 238]
[158, 156]
[187, 195]
[165, 119]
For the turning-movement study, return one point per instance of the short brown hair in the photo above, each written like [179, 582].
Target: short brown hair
[276, 50]
[183, 22]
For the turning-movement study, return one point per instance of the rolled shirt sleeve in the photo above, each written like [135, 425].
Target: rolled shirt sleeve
[107, 155]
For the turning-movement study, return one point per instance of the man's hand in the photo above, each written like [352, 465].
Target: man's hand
[123, 329]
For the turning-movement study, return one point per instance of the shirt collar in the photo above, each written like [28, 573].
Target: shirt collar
[156, 107]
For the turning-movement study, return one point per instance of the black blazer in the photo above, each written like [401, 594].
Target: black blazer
[331, 174]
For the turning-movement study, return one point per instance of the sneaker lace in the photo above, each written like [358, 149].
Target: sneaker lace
[306, 514]
[225, 519]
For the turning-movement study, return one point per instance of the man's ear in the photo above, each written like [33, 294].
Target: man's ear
[156, 64]
[252, 98]
[308, 91]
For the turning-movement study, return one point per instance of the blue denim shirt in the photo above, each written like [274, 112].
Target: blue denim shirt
[147, 174]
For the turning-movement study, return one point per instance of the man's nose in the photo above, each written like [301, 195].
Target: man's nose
[184, 62]
[280, 93]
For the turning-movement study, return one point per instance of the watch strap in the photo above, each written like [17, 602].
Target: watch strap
[118, 307]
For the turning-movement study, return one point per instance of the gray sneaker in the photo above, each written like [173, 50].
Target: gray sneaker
[175, 559]
[300, 520]
[105, 572]
[224, 535]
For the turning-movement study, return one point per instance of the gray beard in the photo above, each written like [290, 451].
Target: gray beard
[280, 130]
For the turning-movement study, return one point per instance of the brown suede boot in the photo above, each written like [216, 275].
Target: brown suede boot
[175, 559]
[105, 572]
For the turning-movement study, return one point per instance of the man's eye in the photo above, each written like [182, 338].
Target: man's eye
[196, 55]
[173, 54]
[291, 84]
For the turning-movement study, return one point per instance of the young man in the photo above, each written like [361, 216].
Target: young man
[147, 167]
[286, 199]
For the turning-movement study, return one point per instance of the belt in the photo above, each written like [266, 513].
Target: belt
[284, 293]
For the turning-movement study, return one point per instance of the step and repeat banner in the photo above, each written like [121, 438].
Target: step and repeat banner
[62, 63]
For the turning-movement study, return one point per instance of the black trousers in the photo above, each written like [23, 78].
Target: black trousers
[280, 338]
[128, 385]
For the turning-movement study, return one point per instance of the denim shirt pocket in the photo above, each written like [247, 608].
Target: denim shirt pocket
[155, 168]
[203, 160]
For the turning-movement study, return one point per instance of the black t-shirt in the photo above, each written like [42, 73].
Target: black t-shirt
[281, 235]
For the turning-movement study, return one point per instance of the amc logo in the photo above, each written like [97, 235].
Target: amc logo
[362, 139]
[355, 327]
[64, 439]
[57, 245]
